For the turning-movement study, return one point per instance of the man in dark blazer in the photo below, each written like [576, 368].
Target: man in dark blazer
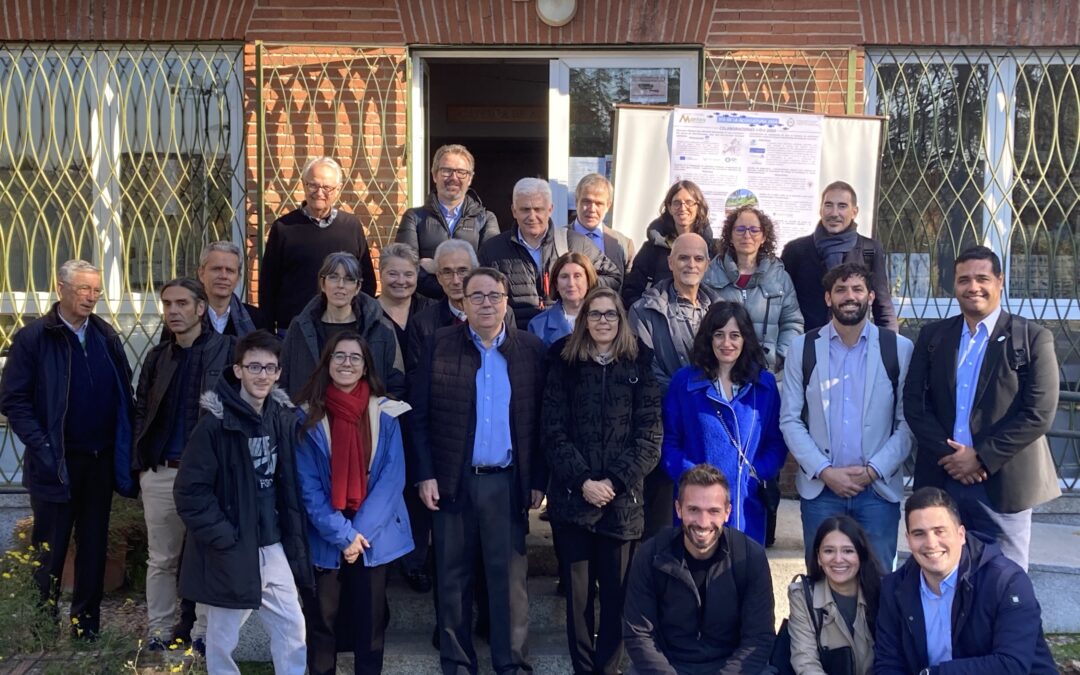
[593, 198]
[980, 396]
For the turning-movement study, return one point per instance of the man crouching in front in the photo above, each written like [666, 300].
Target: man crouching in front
[237, 494]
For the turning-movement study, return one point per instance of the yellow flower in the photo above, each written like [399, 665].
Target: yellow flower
[22, 535]
[75, 620]
[7, 575]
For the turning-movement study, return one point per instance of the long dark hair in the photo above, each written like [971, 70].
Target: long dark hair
[700, 225]
[751, 360]
[580, 346]
[870, 571]
[313, 393]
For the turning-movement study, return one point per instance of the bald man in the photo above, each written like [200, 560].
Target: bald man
[666, 318]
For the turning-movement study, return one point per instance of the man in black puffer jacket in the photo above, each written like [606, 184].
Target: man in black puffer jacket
[527, 252]
[237, 493]
[453, 211]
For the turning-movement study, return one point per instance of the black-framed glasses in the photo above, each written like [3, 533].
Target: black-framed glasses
[353, 358]
[678, 203]
[610, 316]
[255, 368]
[446, 172]
[742, 229]
[335, 278]
[478, 298]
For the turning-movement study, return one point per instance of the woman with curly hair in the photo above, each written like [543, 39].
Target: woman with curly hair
[747, 271]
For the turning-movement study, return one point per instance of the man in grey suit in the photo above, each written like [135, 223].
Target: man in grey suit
[593, 198]
[980, 397]
[842, 415]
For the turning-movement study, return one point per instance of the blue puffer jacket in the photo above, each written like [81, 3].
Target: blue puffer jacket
[694, 433]
[382, 517]
[550, 325]
[34, 398]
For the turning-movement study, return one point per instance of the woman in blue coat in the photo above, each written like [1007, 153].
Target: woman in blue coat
[351, 469]
[574, 276]
[724, 409]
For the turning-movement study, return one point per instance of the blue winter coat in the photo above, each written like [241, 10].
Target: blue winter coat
[550, 325]
[34, 398]
[382, 517]
[997, 622]
[693, 434]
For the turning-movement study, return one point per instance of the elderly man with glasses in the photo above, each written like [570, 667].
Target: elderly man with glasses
[452, 212]
[483, 475]
[300, 240]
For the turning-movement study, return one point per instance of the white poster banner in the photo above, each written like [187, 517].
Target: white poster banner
[769, 158]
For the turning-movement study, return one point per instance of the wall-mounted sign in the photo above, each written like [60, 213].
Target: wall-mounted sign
[496, 114]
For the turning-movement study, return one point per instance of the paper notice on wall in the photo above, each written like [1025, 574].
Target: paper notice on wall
[581, 166]
[768, 158]
[648, 88]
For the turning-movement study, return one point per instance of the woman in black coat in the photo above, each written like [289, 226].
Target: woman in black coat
[601, 429]
[684, 210]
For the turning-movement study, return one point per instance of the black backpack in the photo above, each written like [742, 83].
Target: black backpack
[889, 359]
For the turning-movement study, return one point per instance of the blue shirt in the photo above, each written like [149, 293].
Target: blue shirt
[937, 615]
[968, 363]
[595, 236]
[492, 446]
[452, 216]
[80, 332]
[847, 381]
[536, 253]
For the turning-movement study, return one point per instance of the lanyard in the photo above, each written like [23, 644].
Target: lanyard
[741, 449]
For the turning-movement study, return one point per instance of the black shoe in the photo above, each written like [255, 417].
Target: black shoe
[198, 645]
[418, 580]
[483, 630]
[156, 644]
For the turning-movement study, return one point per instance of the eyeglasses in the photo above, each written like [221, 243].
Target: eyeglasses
[449, 273]
[88, 291]
[741, 229]
[315, 187]
[353, 358]
[494, 298]
[446, 172]
[610, 316]
[256, 368]
[347, 280]
[680, 204]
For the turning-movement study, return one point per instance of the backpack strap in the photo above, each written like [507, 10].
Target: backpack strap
[809, 362]
[559, 240]
[867, 246]
[1019, 354]
[891, 360]
[815, 614]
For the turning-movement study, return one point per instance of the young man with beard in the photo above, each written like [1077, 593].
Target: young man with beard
[713, 583]
[237, 493]
[842, 414]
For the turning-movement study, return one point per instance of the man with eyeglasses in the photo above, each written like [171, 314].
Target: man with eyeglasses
[526, 252]
[836, 240]
[66, 393]
[475, 434]
[237, 493]
[453, 212]
[300, 240]
[188, 361]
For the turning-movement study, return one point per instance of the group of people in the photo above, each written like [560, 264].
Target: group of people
[287, 454]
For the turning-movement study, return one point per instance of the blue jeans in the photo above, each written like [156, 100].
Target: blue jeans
[879, 517]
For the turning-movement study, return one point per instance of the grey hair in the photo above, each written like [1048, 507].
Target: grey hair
[221, 247]
[453, 246]
[72, 267]
[342, 259]
[594, 180]
[323, 161]
[402, 251]
[532, 186]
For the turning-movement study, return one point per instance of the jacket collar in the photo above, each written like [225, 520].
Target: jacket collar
[53, 321]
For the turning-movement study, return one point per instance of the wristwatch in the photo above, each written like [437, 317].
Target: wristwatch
[924, 671]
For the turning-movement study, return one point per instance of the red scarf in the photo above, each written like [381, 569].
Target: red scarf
[350, 445]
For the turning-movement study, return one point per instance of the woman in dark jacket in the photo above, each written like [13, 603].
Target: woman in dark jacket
[601, 428]
[684, 210]
[351, 467]
[340, 306]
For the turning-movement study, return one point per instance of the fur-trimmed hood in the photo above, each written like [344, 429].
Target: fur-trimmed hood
[211, 402]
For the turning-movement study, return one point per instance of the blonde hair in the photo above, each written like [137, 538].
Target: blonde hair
[580, 346]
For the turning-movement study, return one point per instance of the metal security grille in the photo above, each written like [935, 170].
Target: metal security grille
[981, 146]
[129, 156]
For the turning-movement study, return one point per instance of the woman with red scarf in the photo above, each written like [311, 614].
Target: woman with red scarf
[351, 469]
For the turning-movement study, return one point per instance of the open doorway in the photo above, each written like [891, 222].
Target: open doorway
[498, 109]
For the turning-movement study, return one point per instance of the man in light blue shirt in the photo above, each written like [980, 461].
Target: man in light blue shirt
[958, 605]
[593, 200]
[841, 415]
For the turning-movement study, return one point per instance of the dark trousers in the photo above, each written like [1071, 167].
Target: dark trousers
[659, 499]
[87, 513]
[348, 602]
[420, 520]
[488, 505]
[584, 557]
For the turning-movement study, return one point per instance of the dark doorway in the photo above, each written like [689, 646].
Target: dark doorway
[498, 109]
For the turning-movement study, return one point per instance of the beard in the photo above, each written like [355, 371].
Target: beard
[851, 316]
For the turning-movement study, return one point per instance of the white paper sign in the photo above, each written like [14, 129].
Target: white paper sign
[648, 88]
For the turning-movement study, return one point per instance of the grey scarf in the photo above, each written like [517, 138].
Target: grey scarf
[831, 248]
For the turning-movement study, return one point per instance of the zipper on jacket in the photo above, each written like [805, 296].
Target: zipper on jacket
[63, 417]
